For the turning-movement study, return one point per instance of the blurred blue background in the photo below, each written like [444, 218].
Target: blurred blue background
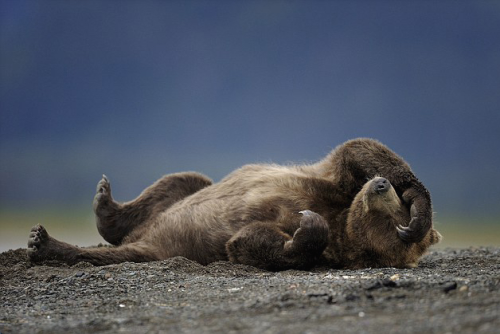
[138, 89]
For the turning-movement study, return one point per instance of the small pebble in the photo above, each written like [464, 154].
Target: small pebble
[450, 286]
[394, 277]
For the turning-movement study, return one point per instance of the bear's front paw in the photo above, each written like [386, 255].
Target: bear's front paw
[313, 222]
[312, 235]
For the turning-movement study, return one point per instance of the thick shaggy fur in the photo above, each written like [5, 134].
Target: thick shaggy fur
[361, 206]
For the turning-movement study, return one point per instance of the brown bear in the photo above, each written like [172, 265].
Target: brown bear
[361, 206]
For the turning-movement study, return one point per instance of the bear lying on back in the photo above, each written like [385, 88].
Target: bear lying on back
[361, 206]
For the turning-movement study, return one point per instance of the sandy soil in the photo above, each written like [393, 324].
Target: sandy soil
[452, 291]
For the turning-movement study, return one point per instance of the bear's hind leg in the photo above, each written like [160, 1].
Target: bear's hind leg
[41, 247]
[115, 221]
[265, 245]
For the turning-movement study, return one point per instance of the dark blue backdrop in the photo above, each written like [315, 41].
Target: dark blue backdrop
[136, 89]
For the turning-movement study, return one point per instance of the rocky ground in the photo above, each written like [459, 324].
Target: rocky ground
[452, 291]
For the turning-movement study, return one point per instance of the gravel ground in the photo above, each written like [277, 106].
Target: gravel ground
[452, 291]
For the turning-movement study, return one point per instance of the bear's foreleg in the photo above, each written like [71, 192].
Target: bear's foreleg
[265, 245]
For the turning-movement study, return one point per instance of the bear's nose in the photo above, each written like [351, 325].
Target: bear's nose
[381, 185]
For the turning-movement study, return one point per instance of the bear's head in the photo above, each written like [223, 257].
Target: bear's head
[372, 222]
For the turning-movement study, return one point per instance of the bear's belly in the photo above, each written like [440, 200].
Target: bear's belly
[198, 231]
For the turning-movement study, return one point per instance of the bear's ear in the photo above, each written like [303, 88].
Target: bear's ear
[435, 237]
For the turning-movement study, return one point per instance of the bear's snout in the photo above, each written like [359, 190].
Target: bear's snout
[381, 185]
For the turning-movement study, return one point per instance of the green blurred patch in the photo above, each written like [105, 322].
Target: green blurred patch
[468, 231]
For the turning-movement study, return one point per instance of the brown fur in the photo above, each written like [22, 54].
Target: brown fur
[351, 210]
